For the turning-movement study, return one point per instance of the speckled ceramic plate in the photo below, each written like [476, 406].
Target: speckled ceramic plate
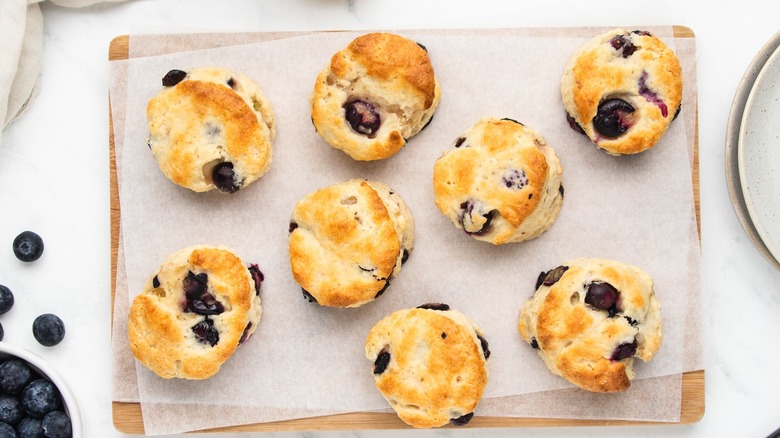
[758, 154]
[733, 134]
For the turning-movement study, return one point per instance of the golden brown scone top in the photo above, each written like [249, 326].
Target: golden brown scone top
[578, 341]
[436, 370]
[343, 244]
[160, 327]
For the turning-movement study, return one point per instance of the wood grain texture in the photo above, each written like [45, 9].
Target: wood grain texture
[128, 417]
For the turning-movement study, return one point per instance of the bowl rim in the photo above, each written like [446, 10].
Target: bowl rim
[45, 369]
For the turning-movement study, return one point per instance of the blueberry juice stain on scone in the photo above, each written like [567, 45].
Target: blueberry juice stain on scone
[210, 128]
[622, 89]
[375, 95]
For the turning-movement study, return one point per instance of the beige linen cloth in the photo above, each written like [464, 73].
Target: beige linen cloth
[21, 44]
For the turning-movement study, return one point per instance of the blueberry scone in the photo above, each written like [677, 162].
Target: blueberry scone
[622, 89]
[500, 182]
[210, 128]
[347, 242]
[374, 95]
[430, 364]
[194, 312]
[589, 318]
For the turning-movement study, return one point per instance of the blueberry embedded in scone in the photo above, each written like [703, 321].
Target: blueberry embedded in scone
[194, 312]
[622, 89]
[500, 182]
[430, 364]
[210, 128]
[376, 94]
[589, 318]
[348, 241]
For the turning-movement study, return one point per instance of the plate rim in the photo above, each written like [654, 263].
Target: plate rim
[733, 132]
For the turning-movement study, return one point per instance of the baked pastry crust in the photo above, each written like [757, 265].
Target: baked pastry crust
[648, 76]
[500, 182]
[436, 370]
[347, 241]
[392, 73]
[160, 324]
[578, 341]
[213, 116]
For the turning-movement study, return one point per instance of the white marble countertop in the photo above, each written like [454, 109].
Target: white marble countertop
[54, 178]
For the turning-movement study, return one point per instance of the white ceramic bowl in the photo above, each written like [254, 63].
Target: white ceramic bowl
[70, 405]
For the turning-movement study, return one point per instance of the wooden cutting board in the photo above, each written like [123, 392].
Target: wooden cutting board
[128, 417]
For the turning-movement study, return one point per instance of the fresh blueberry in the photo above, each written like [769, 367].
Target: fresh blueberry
[6, 299]
[11, 411]
[56, 424]
[552, 276]
[30, 427]
[257, 277]
[362, 117]
[624, 351]
[39, 398]
[173, 77]
[381, 362]
[601, 295]
[206, 333]
[48, 329]
[462, 420]
[224, 177]
[7, 431]
[28, 246]
[613, 117]
[14, 376]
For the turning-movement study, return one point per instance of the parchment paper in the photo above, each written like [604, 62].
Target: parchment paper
[307, 360]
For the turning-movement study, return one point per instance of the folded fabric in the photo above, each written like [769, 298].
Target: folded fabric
[21, 37]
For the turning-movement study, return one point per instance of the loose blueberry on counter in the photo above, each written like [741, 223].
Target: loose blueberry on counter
[56, 425]
[624, 351]
[6, 299]
[257, 277]
[434, 306]
[613, 117]
[7, 431]
[14, 376]
[39, 398]
[224, 177]
[602, 296]
[28, 246]
[48, 329]
[205, 332]
[462, 420]
[11, 411]
[173, 77]
[362, 117]
[381, 362]
[554, 275]
[30, 427]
